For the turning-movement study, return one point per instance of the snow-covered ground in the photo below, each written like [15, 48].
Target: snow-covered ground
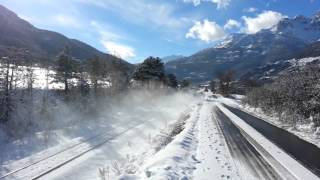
[201, 152]
[213, 153]
[140, 114]
[302, 61]
[198, 152]
[167, 137]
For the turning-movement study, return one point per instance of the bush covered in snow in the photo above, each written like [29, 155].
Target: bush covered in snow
[294, 96]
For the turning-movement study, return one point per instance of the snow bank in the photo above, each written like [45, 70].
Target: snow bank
[177, 160]
[199, 151]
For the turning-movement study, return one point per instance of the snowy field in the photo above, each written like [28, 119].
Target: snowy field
[43, 78]
[138, 114]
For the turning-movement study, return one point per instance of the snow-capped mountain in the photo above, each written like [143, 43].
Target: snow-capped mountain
[244, 52]
[270, 71]
[304, 28]
[240, 52]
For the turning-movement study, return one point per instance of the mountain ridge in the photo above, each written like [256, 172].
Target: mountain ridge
[243, 52]
[41, 44]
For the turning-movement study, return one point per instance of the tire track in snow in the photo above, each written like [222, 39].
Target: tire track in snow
[305, 152]
[249, 161]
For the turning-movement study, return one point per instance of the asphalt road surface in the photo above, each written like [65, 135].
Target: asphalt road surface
[306, 153]
[245, 155]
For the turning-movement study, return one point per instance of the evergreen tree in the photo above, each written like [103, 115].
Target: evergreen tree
[172, 81]
[152, 69]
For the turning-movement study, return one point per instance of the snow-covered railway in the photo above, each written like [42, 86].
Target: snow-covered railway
[55, 160]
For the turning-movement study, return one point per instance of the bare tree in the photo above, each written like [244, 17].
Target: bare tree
[294, 96]
[65, 68]
[212, 86]
[9, 67]
[225, 79]
[5, 85]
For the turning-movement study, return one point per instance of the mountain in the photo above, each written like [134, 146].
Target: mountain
[311, 50]
[171, 58]
[240, 52]
[304, 28]
[266, 73]
[18, 33]
[245, 52]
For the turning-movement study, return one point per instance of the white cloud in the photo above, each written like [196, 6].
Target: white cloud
[250, 10]
[220, 3]
[195, 2]
[147, 12]
[265, 20]
[110, 41]
[232, 24]
[206, 31]
[118, 50]
[106, 32]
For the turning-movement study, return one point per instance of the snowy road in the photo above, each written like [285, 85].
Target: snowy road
[211, 147]
[248, 159]
[306, 153]
[217, 144]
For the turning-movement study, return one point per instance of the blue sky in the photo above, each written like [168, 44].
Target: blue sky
[135, 29]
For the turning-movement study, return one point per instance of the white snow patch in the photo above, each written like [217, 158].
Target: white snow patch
[177, 160]
[303, 61]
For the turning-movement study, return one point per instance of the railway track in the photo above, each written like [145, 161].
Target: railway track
[43, 166]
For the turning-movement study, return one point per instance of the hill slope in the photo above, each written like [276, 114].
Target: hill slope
[16, 32]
